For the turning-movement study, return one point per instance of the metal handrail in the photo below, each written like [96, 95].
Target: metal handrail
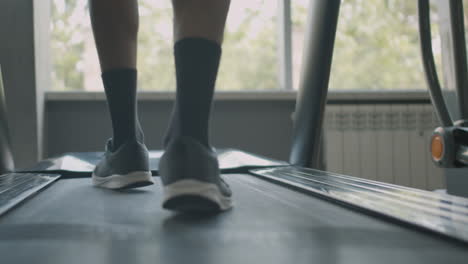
[6, 156]
[457, 27]
[432, 79]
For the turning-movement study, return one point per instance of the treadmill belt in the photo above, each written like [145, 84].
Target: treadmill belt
[15, 187]
[81, 164]
[73, 222]
[441, 213]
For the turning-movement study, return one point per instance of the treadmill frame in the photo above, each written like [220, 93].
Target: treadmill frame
[313, 89]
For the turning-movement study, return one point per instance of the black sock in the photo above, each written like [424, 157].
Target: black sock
[197, 62]
[120, 87]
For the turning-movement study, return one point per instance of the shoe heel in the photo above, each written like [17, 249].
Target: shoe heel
[185, 158]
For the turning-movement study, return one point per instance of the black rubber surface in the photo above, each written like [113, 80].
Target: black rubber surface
[72, 222]
[191, 204]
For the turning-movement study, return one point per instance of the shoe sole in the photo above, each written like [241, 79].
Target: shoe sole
[194, 196]
[125, 181]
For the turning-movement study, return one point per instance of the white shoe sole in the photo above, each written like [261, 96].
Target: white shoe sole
[191, 189]
[131, 180]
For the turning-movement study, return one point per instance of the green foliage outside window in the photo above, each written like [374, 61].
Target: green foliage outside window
[249, 60]
[377, 46]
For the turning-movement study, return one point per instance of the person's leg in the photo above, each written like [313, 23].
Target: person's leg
[189, 168]
[115, 28]
[198, 34]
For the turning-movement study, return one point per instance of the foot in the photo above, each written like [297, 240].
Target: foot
[191, 179]
[123, 168]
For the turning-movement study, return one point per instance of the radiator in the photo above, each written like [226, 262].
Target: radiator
[384, 142]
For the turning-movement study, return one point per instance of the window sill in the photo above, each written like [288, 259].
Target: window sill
[335, 97]
[166, 96]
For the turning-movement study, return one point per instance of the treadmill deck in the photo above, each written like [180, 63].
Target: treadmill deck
[73, 222]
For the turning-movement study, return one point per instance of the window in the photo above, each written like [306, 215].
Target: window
[250, 37]
[377, 46]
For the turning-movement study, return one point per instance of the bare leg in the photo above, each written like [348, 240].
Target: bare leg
[200, 18]
[115, 27]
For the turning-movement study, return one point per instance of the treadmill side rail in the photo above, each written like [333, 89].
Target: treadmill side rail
[16, 187]
[441, 213]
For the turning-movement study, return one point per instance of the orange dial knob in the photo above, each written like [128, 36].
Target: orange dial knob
[437, 147]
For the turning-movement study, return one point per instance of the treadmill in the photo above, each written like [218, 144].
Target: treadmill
[284, 212]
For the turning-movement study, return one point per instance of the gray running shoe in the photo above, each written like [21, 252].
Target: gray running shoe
[123, 168]
[191, 179]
